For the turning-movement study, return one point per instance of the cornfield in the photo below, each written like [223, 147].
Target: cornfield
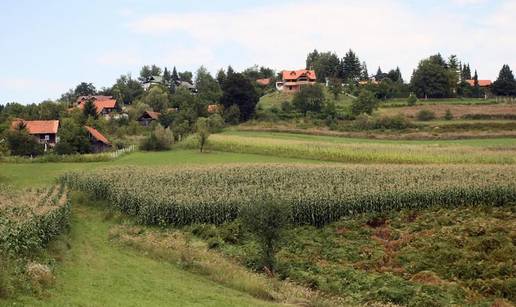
[30, 219]
[314, 194]
[358, 152]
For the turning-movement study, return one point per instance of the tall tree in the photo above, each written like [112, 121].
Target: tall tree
[221, 77]
[476, 86]
[351, 67]
[309, 99]
[230, 71]
[238, 90]
[208, 88]
[175, 76]
[325, 64]
[186, 76]
[85, 89]
[432, 78]
[167, 77]
[379, 74]
[466, 72]
[126, 90]
[365, 73]
[156, 98]
[505, 85]
[149, 71]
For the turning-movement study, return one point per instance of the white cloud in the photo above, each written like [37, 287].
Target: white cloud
[382, 33]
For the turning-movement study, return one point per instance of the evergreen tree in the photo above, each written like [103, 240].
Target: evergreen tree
[89, 109]
[230, 71]
[311, 59]
[379, 74]
[175, 76]
[221, 77]
[351, 67]
[208, 88]
[466, 72]
[167, 77]
[365, 74]
[476, 86]
[505, 85]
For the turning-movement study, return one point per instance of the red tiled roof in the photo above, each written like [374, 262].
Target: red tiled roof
[264, 82]
[296, 74]
[153, 115]
[97, 135]
[96, 97]
[101, 104]
[38, 126]
[481, 83]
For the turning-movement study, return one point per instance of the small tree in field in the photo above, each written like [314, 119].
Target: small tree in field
[365, 103]
[266, 219]
[202, 128]
[412, 100]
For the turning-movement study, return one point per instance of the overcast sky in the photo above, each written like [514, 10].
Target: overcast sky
[48, 47]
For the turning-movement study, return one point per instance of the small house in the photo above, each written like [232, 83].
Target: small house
[152, 80]
[148, 117]
[215, 108]
[481, 83]
[44, 130]
[104, 106]
[99, 142]
[292, 80]
[264, 82]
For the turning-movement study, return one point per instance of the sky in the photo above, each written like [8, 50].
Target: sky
[48, 47]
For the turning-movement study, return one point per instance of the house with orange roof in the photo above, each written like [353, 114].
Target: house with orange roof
[481, 83]
[148, 117]
[264, 82]
[293, 80]
[104, 104]
[44, 130]
[99, 142]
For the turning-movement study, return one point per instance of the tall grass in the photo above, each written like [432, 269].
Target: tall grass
[315, 195]
[359, 152]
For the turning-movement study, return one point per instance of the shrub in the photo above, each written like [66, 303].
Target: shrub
[366, 103]
[232, 115]
[425, 115]
[159, 139]
[412, 100]
[309, 98]
[215, 123]
[266, 219]
[448, 115]
[202, 129]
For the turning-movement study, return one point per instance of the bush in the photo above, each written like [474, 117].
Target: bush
[160, 139]
[232, 115]
[215, 123]
[412, 100]
[266, 219]
[365, 103]
[309, 99]
[425, 115]
[397, 122]
[21, 143]
[448, 115]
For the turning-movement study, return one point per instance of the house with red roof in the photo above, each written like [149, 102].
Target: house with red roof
[481, 83]
[104, 104]
[99, 142]
[293, 80]
[44, 130]
[148, 117]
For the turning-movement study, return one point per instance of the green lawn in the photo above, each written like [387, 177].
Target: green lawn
[96, 272]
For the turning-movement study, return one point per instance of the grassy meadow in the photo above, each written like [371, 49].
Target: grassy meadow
[407, 223]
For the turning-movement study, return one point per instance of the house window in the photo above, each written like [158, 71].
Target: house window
[47, 137]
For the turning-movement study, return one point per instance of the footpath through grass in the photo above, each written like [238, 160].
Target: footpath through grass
[96, 272]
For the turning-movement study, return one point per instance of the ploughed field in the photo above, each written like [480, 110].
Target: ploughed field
[315, 195]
